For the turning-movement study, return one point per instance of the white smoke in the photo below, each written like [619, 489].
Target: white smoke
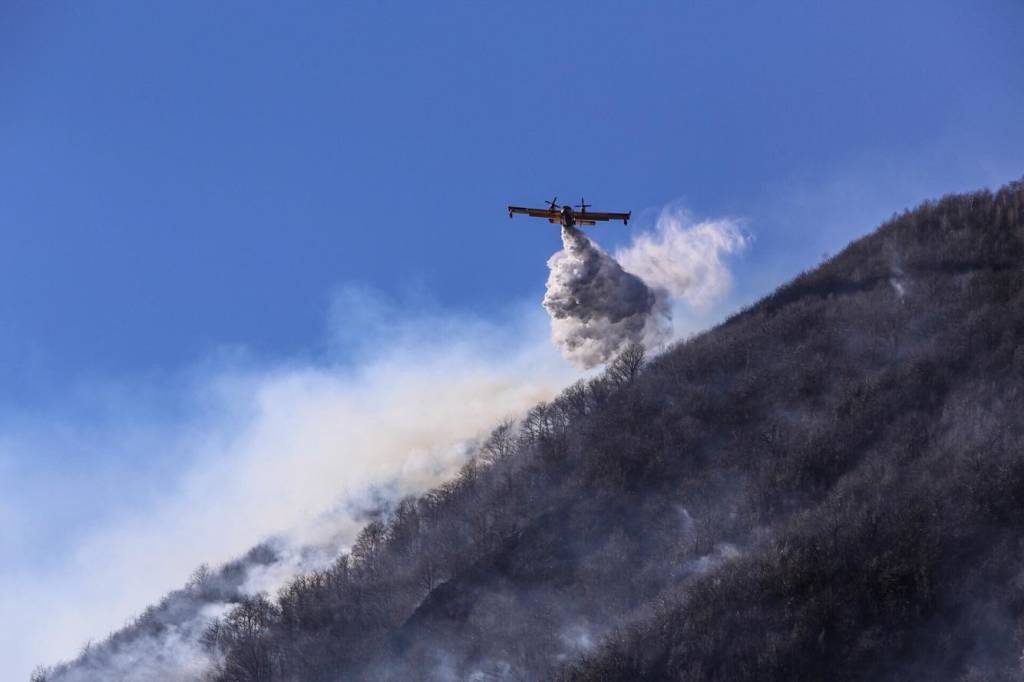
[722, 553]
[685, 258]
[596, 307]
[171, 656]
[290, 452]
[599, 304]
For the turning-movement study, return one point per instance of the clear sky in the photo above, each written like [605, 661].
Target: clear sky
[181, 178]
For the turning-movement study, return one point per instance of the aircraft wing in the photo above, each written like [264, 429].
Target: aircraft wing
[592, 216]
[534, 212]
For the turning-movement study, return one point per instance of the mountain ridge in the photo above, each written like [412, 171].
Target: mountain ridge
[827, 485]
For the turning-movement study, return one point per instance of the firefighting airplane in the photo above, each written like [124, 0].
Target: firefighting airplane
[566, 216]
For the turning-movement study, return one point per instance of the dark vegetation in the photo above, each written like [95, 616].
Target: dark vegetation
[829, 485]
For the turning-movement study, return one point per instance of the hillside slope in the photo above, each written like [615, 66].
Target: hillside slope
[829, 485]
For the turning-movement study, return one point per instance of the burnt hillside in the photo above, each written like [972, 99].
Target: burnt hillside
[829, 485]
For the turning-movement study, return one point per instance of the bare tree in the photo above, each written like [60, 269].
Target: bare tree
[625, 368]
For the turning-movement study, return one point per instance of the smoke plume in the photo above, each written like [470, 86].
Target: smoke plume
[293, 454]
[599, 304]
[684, 258]
[298, 453]
[596, 307]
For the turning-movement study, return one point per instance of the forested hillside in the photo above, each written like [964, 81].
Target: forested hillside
[829, 485]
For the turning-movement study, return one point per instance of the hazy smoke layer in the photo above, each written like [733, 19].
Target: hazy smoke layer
[596, 307]
[298, 452]
[172, 656]
[685, 259]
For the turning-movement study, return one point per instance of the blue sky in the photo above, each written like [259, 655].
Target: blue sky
[187, 186]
